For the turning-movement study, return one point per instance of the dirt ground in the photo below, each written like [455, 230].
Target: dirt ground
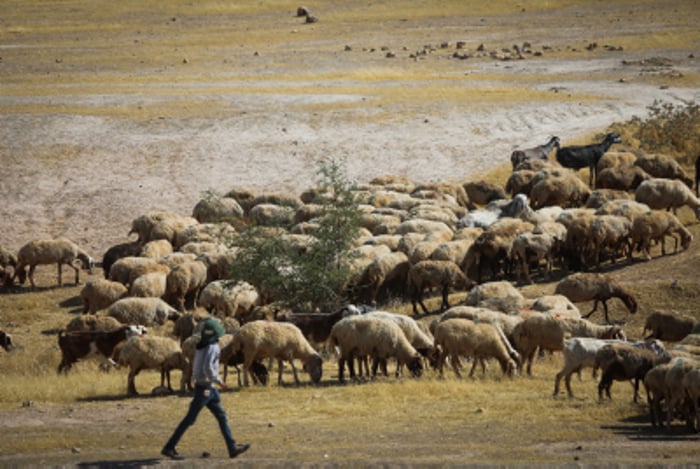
[86, 147]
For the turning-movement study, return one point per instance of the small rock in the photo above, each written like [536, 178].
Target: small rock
[75, 450]
[479, 410]
[270, 425]
[206, 454]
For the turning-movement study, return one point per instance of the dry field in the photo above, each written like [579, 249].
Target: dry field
[111, 109]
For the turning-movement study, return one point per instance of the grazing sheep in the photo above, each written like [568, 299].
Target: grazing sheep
[564, 191]
[433, 274]
[458, 337]
[691, 386]
[186, 279]
[548, 333]
[555, 305]
[214, 208]
[227, 298]
[143, 311]
[316, 327]
[623, 362]
[420, 339]
[121, 269]
[655, 387]
[170, 229]
[499, 289]
[217, 233]
[624, 178]
[663, 166]
[116, 252]
[655, 226]
[361, 336]
[670, 327]
[483, 192]
[151, 285]
[490, 249]
[151, 353]
[283, 341]
[697, 176]
[611, 232]
[577, 157]
[6, 341]
[92, 323]
[520, 182]
[580, 352]
[51, 251]
[7, 259]
[504, 321]
[157, 249]
[600, 196]
[143, 225]
[100, 293]
[675, 392]
[583, 286]
[540, 152]
[79, 344]
[385, 271]
[575, 250]
[667, 194]
[616, 158]
[532, 247]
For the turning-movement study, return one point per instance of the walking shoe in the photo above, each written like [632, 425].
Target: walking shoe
[240, 449]
[172, 454]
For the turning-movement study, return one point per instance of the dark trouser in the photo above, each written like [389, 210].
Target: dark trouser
[204, 395]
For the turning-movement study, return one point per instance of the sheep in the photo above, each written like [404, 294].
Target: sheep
[173, 260]
[417, 337]
[385, 271]
[532, 247]
[149, 285]
[283, 341]
[616, 158]
[583, 286]
[555, 305]
[6, 341]
[444, 191]
[151, 352]
[667, 194]
[7, 259]
[600, 196]
[121, 269]
[491, 247]
[610, 231]
[214, 208]
[577, 157]
[675, 392]
[577, 223]
[548, 333]
[227, 298]
[100, 293]
[51, 251]
[221, 232]
[316, 327]
[143, 311]
[361, 336]
[662, 166]
[563, 191]
[540, 152]
[483, 192]
[116, 252]
[520, 182]
[433, 274]
[92, 323]
[580, 352]
[656, 225]
[170, 228]
[143, 225]
[691, 385]
[697, 176]
[267, 214]
[424, 227]
[79, 344]
[517, 207]
[186, 279]
[671, 327]
[622, 362]
[455, 337]
[655, 387]
[623, 178]
[156, 249]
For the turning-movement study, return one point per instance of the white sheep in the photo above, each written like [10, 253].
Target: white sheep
[7, 259]
[580, 352]
[675, 391]
[279, 340]
[655, 387]
[157, 249]
[91, 322]
[532, 247]
[150, 352]
[100, 293]
[143, 311]
[667, 194]
[214, 208]
[564, 191]
[611, 232]
[655, 226]
[361, 336]
[548, 333]
[227, 298]
[121, 270]
[184, 280]
[51, 251]
[663, 166]
[142, 225]
[149, 285]
[421, 340]
[691, 386]
[457, 337]
[204, 232]
[584, 286]
[600, 196]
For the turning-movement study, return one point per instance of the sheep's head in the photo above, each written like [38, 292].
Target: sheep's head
[260, 372]
[20, 275]
[315, 366]
[415, 366]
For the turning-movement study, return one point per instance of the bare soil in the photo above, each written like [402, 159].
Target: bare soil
[86, 147]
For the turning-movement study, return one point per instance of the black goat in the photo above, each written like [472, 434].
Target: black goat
[577, 157]
[540, 152]
[697, 176]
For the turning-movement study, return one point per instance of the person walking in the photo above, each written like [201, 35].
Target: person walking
[206, 374]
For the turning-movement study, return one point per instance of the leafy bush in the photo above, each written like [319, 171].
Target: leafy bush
[672, 129]
[314, 276]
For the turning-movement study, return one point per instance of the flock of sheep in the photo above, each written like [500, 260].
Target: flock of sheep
[415, 237]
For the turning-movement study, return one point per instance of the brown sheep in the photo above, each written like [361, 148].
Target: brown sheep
[583, 286]
[433, 274]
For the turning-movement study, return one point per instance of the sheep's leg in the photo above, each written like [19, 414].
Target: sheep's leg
[294, 371]
[605, 310]
[419, 299]
[595, 307]
[442, 356]
[280, 365]
[445, 301]
[341, 369]
[77, 272]
[131, 387]
[455, 365]
[30, 274]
